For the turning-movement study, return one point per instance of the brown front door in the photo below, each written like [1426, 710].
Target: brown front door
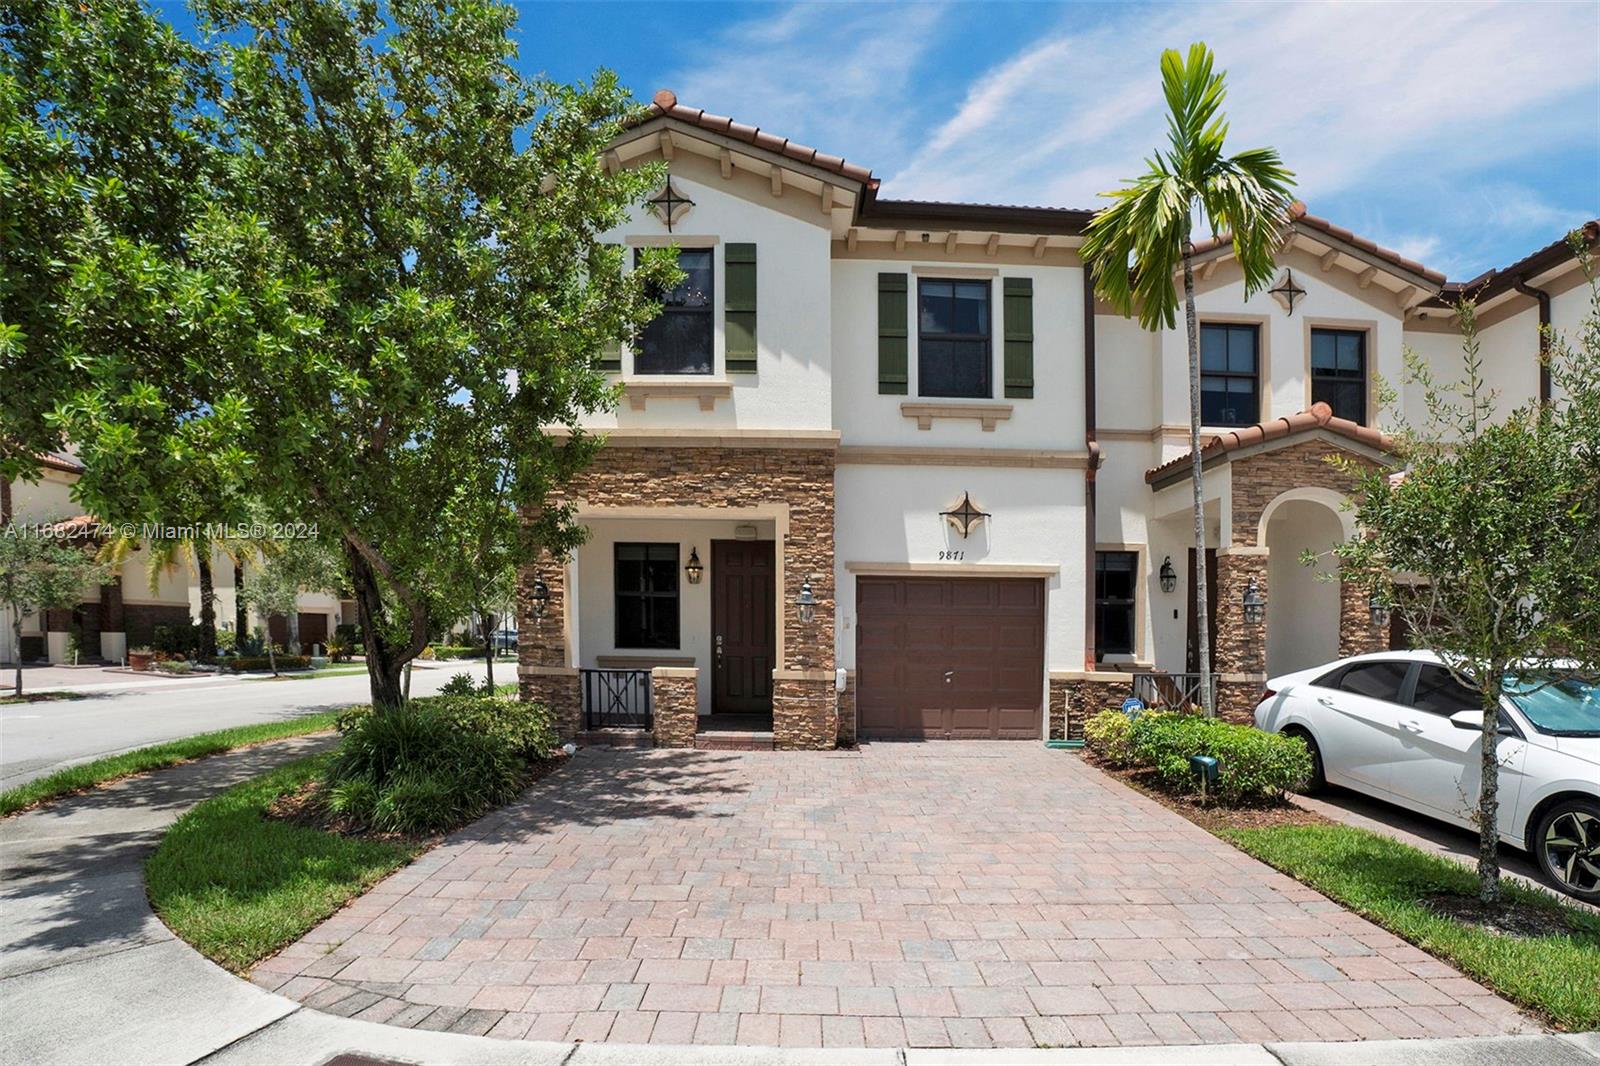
[950, 658]
[743, 626]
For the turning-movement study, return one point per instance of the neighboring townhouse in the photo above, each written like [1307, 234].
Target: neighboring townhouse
[888, 469]
[111, 618]
[320, 613]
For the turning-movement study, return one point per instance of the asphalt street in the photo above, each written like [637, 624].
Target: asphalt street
[38, 738]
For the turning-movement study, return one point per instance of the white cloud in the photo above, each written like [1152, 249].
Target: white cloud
[1344, 92]
[830, 75]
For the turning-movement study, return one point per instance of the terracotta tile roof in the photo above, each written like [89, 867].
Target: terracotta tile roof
[1320, 416]
[1300, 217]
[666, 104]
[58, 461]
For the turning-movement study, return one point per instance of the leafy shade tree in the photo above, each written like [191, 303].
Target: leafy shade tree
[1135, 246]
[287, 569]
[41, 573]
[106, 157]
[1488, 540]
[404, 259]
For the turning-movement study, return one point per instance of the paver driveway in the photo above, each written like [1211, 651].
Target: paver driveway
[968, 894]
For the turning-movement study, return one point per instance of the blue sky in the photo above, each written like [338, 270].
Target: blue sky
[1462, 134]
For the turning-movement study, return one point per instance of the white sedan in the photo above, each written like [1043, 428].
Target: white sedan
[1398, 725]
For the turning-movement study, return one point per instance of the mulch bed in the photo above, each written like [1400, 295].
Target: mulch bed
[1210, 816]
[1506, 918]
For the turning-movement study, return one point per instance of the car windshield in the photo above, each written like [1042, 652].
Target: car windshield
[1569, 708]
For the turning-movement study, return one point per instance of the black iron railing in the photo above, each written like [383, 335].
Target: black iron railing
[1170, 690]
[616, 699]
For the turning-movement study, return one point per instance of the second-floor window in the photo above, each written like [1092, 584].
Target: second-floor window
[681, 339]
[1339, 372]
[953, 338]
[1230, 374]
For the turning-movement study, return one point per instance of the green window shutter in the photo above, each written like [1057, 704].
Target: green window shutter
[892, 317]
[1019, 337]
[739, 310]
[611, 357]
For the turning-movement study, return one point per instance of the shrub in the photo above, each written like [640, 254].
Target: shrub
[435, 763]
[240, 663]
[1252, 766]
[1109, 736]
[455, 651]
[458, 685]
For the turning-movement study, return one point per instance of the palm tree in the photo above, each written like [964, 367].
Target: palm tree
[165, 557]
[1136, 245]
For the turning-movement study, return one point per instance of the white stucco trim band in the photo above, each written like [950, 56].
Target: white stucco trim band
[952, 569]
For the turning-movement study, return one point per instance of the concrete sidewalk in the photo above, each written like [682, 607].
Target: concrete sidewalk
[89, 975]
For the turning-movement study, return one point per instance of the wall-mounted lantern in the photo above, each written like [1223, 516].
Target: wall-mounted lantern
[806, 602]
[1255, 604]
[540, 597]
[693, 568]
[1169, 576]
[1379, 610]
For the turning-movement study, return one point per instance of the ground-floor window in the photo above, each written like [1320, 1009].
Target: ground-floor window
[646, 580]
[1116, 579]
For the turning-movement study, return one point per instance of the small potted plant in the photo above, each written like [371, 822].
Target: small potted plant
[141, 659]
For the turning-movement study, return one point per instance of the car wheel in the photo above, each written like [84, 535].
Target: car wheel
[1318, 780]
[1567, 844]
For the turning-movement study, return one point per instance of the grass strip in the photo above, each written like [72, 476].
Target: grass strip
[239, 886]
[89, 775]
[49, 696]
[1386, 882]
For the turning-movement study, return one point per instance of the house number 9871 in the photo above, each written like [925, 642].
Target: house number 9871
[952, 556]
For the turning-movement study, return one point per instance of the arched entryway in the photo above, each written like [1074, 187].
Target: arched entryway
[1303, 621]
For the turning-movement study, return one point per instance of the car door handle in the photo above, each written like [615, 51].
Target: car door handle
[1411, 727]
[1325, 701]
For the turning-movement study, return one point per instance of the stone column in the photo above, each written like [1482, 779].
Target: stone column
[1357, 634]
[543, 671]
[805, 704]
[1241, 662]
[675, 693]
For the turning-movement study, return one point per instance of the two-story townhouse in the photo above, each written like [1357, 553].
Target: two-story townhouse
[125, 611]
[887, 468]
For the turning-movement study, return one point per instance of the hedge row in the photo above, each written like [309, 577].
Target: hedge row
[1253, 766]
[241, 663]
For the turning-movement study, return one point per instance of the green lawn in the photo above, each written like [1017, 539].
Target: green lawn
[341, 670]
[1383, 880]
[239, 886]
[100, 771]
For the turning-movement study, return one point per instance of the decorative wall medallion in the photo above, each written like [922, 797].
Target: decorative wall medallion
[670, 205]
[965, 515]
[1286, 292]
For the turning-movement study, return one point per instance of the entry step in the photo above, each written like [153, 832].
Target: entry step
[616, 738]
[733, 740]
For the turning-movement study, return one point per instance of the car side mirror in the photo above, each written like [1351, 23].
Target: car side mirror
[1472, 720]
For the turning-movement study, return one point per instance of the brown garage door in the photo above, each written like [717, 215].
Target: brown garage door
[949, 658]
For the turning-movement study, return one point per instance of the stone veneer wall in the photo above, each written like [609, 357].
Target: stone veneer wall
[1357, 634]
[1241, 663]
[686, 476]
[674, 692]
[805, 712]
[1074, 698]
